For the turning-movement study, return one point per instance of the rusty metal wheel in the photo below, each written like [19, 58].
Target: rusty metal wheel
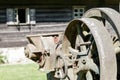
[94, 63]
[111, 20]
[106, 14]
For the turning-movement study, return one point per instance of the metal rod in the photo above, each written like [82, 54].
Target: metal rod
[85, 43]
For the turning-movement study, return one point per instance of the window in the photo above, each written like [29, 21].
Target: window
[20, 16]
[78, 11]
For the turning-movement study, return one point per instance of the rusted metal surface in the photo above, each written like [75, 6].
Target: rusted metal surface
[86, 51]
[102, 39]
[112, 16]
[41, 49]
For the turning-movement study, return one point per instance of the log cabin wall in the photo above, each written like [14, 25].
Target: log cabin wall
[53, 15]
[2, 15]
[50, 16]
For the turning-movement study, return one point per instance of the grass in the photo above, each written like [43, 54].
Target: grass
[21, 72]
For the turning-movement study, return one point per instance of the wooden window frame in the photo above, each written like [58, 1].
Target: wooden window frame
[15, 20]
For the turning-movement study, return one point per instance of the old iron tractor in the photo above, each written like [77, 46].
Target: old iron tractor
[87, 50]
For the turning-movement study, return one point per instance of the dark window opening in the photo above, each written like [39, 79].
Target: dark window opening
[21, 15]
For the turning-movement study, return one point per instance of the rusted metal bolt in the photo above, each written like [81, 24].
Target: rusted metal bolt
[83, 61]
[58, 73]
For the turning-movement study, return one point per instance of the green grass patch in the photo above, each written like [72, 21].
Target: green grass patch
[21, 72]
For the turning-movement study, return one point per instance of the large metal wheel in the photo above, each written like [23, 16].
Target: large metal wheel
[111, 20]
[106, 14]
[95, 59]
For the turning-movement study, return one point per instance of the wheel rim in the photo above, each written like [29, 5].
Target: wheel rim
[108, 14]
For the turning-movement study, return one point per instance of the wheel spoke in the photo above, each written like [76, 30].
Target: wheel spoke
[78, 43]
[79, 37]
[89, 76]
[94, 67]
[73, 51]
